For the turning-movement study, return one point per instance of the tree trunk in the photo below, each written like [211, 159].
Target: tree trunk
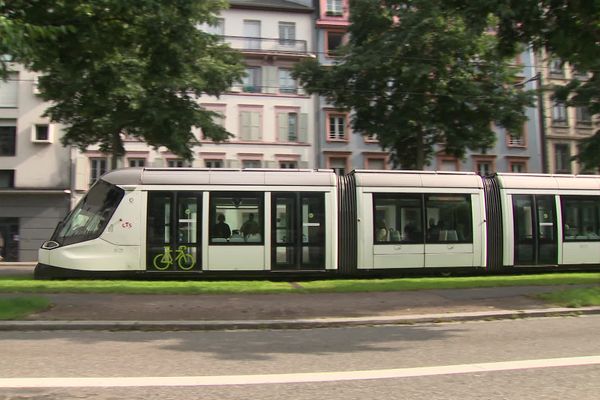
[420, 159]
[117, 150]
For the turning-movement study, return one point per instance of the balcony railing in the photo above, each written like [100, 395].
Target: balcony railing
[245, 43]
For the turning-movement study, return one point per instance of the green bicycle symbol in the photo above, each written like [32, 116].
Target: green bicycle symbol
[163, 261]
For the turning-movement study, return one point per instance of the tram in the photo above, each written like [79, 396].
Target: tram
[266, 223]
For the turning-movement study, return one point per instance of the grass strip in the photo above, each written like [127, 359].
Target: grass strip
[24, 285]
[580, 297]
[18, 307]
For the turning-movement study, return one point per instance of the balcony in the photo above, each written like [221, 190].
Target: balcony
[265, 46]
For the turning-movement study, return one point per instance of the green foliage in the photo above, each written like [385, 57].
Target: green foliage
[18, 307]
[416, 76]
[568, 29]
[132, 67]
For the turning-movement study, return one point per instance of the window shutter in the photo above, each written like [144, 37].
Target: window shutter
[245, 127]
[282, 124]
[255, 133]
[303, 128]
[271, 79]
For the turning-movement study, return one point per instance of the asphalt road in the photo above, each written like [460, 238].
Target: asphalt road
[547, 358]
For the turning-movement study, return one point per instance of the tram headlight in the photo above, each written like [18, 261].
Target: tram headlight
[50, 244]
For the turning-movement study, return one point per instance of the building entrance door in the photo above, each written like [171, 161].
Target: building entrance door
[9, 239]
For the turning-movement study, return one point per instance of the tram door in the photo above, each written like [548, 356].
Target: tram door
[535, 234]
[173, 239]
[298, 231]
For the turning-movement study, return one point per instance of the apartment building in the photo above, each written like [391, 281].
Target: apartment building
[34, 169]
[518, 152]
[270, 116]
[337, 146]
[565, 127]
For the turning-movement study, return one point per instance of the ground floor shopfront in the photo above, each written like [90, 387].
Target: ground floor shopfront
[27, 219]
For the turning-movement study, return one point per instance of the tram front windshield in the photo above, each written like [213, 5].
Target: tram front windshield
[89, 218]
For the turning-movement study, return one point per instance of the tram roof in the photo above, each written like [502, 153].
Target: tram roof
[221, 176]
[551, 182]
[399, 178]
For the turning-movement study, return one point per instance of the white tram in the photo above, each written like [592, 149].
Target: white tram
[203, 222]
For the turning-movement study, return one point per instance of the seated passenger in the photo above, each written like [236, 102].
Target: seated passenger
[221, 229]
[382, 232]
[250, 227]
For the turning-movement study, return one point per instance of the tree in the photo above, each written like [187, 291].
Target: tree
[129, 67]
[568, 29]
[416, 77]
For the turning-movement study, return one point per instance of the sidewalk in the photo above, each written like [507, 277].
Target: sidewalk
[287, 311]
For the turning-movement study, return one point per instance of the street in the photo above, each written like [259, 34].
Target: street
[477, 360]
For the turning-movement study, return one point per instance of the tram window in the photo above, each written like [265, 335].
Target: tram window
[236, 218]
[397, 218]
[91, 215]
[449, 218]
[581, 218]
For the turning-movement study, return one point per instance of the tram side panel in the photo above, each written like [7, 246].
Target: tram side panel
[423, 228]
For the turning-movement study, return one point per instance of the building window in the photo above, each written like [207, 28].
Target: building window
[252, 34]
[334, 41]
[251, 164]
[562, 159]
[583, 116]
[516, 141]
[287, 33]
[175, 163]
[250, 126]
[559, 113]
[213, 163]
[375, 163]
[218, 28]
[335, 8]
[518, 167]
[448, 164]
[251, 83]
[137, 162]
[8, 141]
[288, 164]
[7, 178]
[484, 168]
[371, 138]
[287, 84]
[236, 218]
[556, 67]
[336, 127]
[42, 133]
[9, 91]
[98, 167]
[338, 164]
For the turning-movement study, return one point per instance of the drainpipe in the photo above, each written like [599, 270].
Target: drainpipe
[542, 122]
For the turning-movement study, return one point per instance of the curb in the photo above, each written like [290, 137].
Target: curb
[290, 323]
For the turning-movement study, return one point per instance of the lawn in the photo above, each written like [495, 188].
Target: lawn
[18, 307]
[24, 285]
[580, 297]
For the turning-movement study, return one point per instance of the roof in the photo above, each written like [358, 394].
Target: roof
[551, 182]
[434, 179]
[287, 5]
[221, 176]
